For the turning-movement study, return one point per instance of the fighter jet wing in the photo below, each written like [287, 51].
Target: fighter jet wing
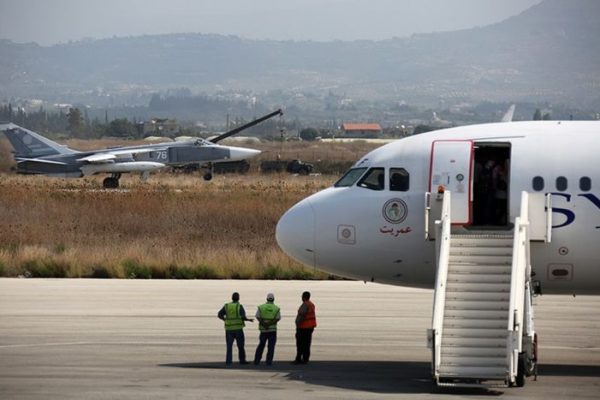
[98, 158]
[38, 160]
[110, 156]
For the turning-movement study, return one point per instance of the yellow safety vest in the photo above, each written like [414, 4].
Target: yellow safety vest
[233, 319]
[268, 312]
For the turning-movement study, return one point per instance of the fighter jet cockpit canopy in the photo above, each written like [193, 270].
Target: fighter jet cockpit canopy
[202, 142]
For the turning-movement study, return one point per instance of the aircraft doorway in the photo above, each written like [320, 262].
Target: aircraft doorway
[491, 184]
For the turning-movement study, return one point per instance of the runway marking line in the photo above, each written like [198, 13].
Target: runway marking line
[5, 346]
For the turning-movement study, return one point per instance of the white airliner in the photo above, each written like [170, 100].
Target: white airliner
[524, 218]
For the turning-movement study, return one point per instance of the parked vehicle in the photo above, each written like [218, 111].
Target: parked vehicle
[293, 166]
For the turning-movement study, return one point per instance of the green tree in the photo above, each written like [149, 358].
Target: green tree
[422, 129]
[121, 127]
[537, 116]
[75, 123]
[309, 134]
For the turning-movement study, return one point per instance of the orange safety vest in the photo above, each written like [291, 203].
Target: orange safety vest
[310, 319]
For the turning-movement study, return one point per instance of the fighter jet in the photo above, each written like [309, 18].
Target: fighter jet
[36, 154]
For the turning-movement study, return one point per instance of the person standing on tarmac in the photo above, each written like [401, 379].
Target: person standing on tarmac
[234, 315]
[306, 321]
[268, 315]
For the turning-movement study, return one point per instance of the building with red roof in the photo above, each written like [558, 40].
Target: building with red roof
[369, 130]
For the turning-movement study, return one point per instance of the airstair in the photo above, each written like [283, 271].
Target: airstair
[482, 329]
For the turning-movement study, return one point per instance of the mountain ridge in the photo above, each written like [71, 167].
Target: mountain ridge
[547, 52]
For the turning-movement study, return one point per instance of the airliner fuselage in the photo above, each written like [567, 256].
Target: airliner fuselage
[371, 224]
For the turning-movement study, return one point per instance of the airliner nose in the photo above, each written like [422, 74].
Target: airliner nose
[240, 153]
[295, 233]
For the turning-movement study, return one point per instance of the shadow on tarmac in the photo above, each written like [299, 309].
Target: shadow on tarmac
[371, 376]
[381, 377]
[569, 370]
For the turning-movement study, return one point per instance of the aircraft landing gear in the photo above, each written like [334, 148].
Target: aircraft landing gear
[520, 378]
[112, 182]
[531, 358]
[209, 174]
[528, 360]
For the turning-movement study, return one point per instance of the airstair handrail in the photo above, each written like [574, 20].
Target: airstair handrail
[521, 270]
[443, 227]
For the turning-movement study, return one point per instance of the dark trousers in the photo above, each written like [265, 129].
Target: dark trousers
[238, 337]
[303, 340]
[264, 338]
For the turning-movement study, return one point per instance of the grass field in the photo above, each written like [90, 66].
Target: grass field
[171, 226]
[167, 227]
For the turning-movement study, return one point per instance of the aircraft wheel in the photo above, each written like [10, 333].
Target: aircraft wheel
[520, 378]
[207, 176]
[110, 183]
[532, 366]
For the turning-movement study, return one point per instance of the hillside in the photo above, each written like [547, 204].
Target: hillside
[549, 52]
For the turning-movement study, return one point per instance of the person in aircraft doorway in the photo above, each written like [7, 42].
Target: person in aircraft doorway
[500, 181]
[486, 192]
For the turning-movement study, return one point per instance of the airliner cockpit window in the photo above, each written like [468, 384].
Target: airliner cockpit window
[374, 179]
[350, 177]
[399, 180]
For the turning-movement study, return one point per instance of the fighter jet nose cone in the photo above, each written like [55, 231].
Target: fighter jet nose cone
[295, 233]
[240, 153]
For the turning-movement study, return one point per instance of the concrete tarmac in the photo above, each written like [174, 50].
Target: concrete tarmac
[134, 339]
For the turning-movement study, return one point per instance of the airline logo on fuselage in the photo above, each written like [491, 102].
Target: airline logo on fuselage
[568, 213]
[395, 211]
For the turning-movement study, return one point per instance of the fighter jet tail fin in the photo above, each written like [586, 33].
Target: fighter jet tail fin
[28, 144]
[508, 115]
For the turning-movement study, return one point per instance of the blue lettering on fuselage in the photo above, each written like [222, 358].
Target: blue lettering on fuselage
[569, 215]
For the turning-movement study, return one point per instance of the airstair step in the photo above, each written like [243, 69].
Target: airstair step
[452, 304]
[473, 333]
[479, 287]
[476, 314]
[481, 251]
[455, 351]
[487, 235]
[470, 361]
[478, 296]
[450, 371]
[475, 323]
[473, 241]
[484, 259]
[452, 341]
[479, 269]
[478, 278]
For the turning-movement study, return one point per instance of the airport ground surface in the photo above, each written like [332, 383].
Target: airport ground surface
[134, 339]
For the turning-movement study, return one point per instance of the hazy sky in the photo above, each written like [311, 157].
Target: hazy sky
[52, 21]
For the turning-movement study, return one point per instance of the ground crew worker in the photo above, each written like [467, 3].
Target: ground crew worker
[234, 316]
[306, 321]
[268, 315]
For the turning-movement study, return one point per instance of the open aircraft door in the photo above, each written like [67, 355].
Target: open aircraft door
[451, 168]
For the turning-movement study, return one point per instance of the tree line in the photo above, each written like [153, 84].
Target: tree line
[73, 123]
